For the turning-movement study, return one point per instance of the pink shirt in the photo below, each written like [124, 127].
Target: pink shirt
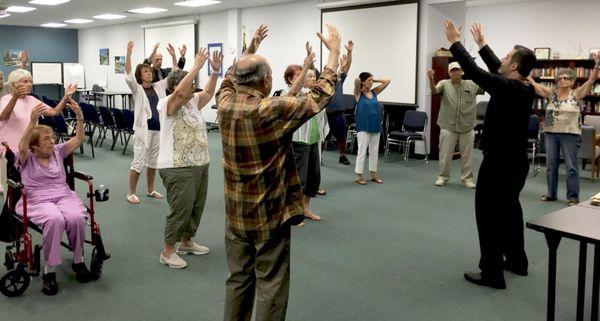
[12, 129]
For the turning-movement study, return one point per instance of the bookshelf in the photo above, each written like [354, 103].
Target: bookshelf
[545, 71]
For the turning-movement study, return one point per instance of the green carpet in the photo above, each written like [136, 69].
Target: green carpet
[395, 251]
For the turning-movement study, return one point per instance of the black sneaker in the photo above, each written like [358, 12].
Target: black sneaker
[344, 160]
[49, 286]
[477, 278]
[82, 275]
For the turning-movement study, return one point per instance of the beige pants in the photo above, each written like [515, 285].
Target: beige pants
[448, 141]
[3, 179]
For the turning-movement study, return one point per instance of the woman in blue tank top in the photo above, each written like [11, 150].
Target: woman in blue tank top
[368, 124]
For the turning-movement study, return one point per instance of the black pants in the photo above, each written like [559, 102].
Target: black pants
[307, 162]
[499, 214]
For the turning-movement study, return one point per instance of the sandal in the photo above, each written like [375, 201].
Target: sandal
[133, 199]
[573, 202]
[360, 181]
[321, 191]
[155, 194]
[377, 180]
[546, 198]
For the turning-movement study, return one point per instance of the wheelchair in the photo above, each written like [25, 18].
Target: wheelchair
[21, 258]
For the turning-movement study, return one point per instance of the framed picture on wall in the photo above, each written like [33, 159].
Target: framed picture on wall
[542, 53]
[212, 47]
[594, 51]
[12, 57]
[119, 64]
[104, 56]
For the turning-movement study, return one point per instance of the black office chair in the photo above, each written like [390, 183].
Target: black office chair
[414, 128]
[124, 124]
[108, 123]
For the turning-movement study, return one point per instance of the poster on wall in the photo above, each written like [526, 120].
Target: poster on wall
[103, 56]
[12, 57]
[119, 64]
[212, 47]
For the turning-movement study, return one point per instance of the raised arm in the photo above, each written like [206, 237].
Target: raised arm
[432, 85]
[24, 58]
[357, 87]
[384, 83]
[299, 81]
[69, 91]
[332, 43]
[259, 36]
[24, 143]
[491, 83]
[209, 90]
[180, 94]
[75, 142]
[486, 53]
[585, 88]
[348, 57]
[128, 57]
[19, 91]
[540, 89]
[181, 61]
[171, 51]
[151, 57]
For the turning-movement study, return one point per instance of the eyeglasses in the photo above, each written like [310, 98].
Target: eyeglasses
[564, 78]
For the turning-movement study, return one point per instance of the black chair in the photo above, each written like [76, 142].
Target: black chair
[533, 142]
[124, 124]
[108, 123]
[414, 128]
[61, 128]
[91, 121]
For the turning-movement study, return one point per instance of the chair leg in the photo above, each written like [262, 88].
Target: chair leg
[126, 143]
[387, 149]
[426, 149]
[115, 140]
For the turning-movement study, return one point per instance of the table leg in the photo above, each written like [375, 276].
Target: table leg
[581, 280]
[595, 283]
[553, 241]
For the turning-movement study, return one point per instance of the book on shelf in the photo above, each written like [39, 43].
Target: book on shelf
[550, 73]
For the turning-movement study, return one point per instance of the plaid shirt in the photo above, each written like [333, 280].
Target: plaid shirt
[262, 188]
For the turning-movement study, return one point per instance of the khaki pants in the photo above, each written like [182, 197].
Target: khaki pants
[186, 195]
[261, 269]
[448, 142]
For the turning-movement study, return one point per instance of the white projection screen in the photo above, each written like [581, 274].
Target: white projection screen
[385, 44]
[175, 33]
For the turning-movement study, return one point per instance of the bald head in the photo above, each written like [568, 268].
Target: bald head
[254, 71]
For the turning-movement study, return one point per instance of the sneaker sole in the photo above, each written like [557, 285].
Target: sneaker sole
[177, 267]
[191, 252]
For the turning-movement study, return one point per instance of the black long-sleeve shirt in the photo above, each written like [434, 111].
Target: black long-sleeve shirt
[507, 115]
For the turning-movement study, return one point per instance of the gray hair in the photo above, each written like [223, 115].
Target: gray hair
[566, 71]
[174, 78]
[17, 75]
[251, 75]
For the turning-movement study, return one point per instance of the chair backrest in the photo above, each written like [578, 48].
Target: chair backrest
[89, 113]
[46, 120]
[129, 118]
[587, 150]
[60, 125]
[481, 107]
[107, 118]
[415, 121]
[592, 120]
[533, 130]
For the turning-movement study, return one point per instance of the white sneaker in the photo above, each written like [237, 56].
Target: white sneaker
[173, 261]
[194, 249]
[468, 183]
[440, 181]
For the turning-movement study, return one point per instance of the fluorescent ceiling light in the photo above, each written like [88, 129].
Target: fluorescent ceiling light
[53, 25]
[19, 9]
[109, 16]
[196, 3]
[79, 21]
[48, 2]
[147, 10]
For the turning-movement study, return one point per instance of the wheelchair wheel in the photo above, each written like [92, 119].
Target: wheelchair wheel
[96, 265]
[15, 282]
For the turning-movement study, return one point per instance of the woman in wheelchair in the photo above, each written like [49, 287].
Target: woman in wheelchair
[50, 203]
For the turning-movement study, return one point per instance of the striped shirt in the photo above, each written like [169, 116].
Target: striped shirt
[262, 188]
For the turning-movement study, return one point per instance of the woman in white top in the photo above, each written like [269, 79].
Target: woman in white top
[146, 126]
[562, 128]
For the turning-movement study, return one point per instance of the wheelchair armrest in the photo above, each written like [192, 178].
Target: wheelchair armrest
[16, 185]
[82, 176]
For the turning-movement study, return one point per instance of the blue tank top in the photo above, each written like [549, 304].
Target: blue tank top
[368, 114]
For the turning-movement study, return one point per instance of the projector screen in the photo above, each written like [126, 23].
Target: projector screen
[385, 44]
[177, 35]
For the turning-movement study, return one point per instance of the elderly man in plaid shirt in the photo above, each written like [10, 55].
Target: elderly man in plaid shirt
[262, 190]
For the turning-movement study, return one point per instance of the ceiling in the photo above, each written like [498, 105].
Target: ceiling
[85, 9]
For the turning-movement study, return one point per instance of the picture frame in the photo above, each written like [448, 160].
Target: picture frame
[212, 47]
[594, 50]
[542, 53]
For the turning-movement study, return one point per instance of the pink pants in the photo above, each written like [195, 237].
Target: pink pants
[55, 215]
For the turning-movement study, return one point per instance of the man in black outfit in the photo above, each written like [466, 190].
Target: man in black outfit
[505, 166]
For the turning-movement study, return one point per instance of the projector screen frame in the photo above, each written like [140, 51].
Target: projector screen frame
[376, 5]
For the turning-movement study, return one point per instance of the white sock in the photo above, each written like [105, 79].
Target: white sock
[49, 269]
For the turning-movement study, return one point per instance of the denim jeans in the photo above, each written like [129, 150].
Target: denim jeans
[569, 145]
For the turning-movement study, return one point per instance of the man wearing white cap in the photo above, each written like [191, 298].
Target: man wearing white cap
[456, 120]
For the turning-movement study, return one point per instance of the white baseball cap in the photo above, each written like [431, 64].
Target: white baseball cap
[453, 65]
